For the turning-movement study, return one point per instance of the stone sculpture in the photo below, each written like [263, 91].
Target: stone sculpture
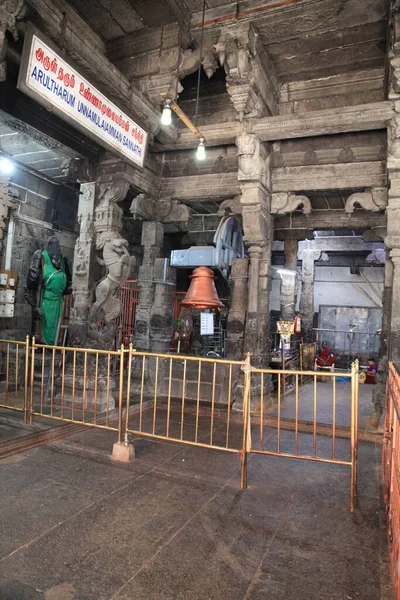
[49, 279]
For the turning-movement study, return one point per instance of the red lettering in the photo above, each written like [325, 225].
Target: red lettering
[39, 54]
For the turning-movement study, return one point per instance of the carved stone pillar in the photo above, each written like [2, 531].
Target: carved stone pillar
[5, 203]
[162, 311]
[250, 78]
[83, 267]
[237, 310]
[10, 12]
[254, 173]
[289, 281]
[308, 258]
[152, 242]
[251, 331]
[100, 220]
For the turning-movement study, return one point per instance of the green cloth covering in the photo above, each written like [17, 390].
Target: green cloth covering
[54, 284]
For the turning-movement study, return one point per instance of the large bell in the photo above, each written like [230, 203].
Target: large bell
[202, 292]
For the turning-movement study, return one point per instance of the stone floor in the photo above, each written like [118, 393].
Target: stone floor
[174, 525]
[325, 403]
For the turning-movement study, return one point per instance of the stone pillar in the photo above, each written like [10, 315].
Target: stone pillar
[255, 200]
[162, 310]
[10, 12]
[251, 331]
[308, 258]
[392, 240]
[152, 242]
[289, 281]
[237, 310]
[379, 391]
[83, 267]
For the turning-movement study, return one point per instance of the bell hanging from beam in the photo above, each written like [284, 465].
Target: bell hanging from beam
[202, 292]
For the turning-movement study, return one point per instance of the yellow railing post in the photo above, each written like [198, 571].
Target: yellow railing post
[121, 386]
[128, 393]
[246, 422]
[32, 380]
[26, 378]
[354, 434]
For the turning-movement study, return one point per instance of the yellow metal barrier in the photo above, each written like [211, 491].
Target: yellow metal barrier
[14, 368]
[76, 385]
[267, 429]
[183, 399]
[207, 402]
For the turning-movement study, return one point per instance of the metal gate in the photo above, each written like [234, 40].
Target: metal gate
[294, 429]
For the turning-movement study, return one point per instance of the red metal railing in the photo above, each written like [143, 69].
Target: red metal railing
[129, 297]
[391, 470]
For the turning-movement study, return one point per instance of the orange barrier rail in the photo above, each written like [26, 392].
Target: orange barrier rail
[391, 469]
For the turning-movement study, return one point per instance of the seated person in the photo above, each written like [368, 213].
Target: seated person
[371, 371]
[325, 357]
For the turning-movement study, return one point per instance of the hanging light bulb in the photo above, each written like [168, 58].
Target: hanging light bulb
[166, 117]
[6, 166]
[201, 150]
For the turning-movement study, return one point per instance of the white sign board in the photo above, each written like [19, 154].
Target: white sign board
[206, 324]
[47, 78]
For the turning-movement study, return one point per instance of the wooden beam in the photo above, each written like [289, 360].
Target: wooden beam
[343, 176]
[328, 220]
[363, 117]
[200, 187]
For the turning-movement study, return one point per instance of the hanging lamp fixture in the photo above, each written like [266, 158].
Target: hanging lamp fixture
[166, 117]
[169, 104]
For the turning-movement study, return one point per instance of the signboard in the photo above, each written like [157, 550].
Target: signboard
[58, 86]
[206, 323]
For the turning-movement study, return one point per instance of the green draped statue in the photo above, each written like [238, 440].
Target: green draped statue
[49, 279]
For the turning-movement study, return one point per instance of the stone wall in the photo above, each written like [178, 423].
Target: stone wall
[335, 286]
[39, 209]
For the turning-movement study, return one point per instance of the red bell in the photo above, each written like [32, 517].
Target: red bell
[202, 292]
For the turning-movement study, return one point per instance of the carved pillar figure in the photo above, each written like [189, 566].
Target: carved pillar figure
[238, 307]
[308, 258]
[152, 242]
[250, 78]
[10, 11]
[101, 224]
[289, 281]
[83, 276]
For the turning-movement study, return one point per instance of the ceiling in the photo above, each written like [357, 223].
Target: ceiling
[37, 157]
[304, 39]
[115, 18]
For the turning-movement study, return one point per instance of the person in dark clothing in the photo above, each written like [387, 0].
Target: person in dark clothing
[325, 357]
[371, 371]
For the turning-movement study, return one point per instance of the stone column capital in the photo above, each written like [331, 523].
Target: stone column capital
[395, 256]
